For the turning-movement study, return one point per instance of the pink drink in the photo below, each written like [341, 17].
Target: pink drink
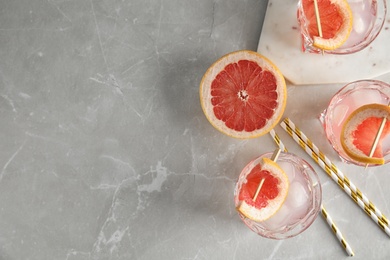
[364, 14]
[301, 206]
[368, 19]
[347, 100]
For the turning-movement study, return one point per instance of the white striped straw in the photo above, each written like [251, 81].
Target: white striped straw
[277, 140]
[336, 231]
[338, 180]
[324, 214]
[339, 173]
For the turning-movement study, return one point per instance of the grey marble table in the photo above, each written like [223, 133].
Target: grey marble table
[106, 154]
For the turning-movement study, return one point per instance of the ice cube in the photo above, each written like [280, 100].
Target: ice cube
[288, 168]
[357, 6]
[297, 195]
[359, 25]
[299, 213]
[279, 220]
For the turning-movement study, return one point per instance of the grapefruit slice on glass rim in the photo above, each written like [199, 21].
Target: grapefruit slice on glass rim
[360, 129]
[336, 22]
[272, 194]
[243, 94]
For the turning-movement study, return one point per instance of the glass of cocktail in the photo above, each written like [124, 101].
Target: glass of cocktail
[295, 212]
[353, 119]
[350, 27]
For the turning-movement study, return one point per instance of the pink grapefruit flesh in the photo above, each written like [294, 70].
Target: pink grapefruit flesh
[243, 94]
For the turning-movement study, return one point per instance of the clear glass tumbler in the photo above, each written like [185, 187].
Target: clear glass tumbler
[344, 102]
[368, 19]
[301, 206]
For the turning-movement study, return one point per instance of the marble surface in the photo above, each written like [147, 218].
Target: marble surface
[280, 41]
[106, 154]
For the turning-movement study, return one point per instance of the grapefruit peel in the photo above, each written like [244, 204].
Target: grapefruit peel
[365, 121]
[266, 66]
[273, 206]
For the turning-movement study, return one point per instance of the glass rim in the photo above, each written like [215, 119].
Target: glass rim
[371, 35]
[328, 113]
[310, 216]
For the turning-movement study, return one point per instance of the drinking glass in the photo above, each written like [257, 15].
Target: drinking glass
[344, 102]
[368, 19]
[301, 206]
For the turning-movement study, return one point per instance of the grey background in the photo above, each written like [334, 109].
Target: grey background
[105, 151]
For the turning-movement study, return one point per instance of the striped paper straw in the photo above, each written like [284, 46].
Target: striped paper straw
[336, 231]
[277, 140]
[339, 173]
[324, 214]
[334, 177]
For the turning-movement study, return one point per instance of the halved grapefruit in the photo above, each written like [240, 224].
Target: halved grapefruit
[243, 94]
[272, 194]
[359, 132]
[336, 22]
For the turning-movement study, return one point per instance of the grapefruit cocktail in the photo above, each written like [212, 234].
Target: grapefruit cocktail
[289, 198]
[357, 118]
[340, 26]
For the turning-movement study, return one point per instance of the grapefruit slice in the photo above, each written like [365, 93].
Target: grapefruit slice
[336, 22]
[272, 194]
[359, 132]
[243, 94]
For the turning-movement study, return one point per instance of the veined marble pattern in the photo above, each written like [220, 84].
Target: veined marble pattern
[106, 153]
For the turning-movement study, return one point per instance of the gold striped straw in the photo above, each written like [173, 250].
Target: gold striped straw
[324, 214]
[277, 140]
[357, 196]
[336, 231]
[336, 171]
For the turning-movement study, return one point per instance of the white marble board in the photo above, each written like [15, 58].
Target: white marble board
[280, 42]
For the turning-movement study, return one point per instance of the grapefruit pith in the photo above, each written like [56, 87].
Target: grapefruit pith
[272, 194]
[336, 22]
[243, 94]
[359, 132]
